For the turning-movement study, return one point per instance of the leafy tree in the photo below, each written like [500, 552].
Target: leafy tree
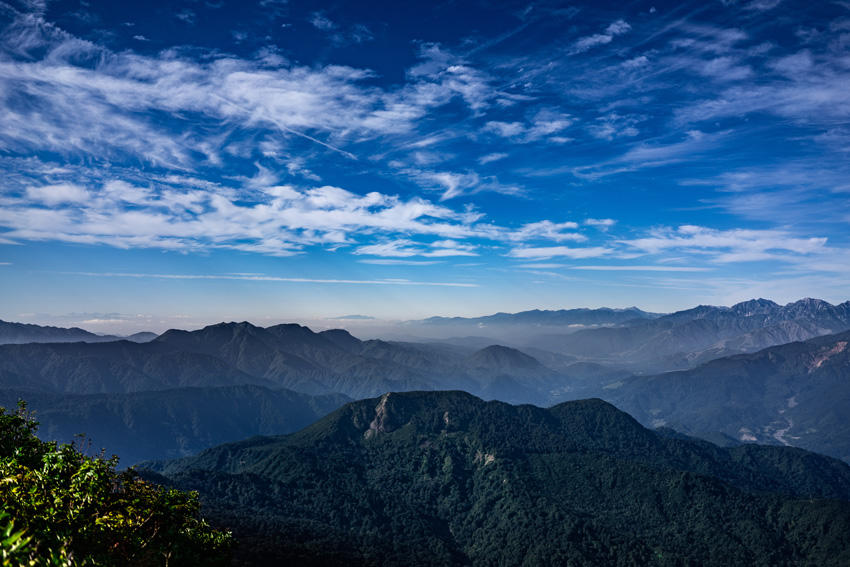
[59, 507]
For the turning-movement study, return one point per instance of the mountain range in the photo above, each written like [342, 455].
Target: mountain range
[562, 317]
[288, 356]
[773, 396]
[424, 478]
[20, 333]
[794, 394]
[687, 338]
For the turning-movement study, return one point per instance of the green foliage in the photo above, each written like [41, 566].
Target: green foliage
[63, 508]
[443, 478]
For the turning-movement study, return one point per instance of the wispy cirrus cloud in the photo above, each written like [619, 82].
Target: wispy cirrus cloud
[727, 246]
[390, 282]
[81, 98]
[544, 124]
[546, 252]
[322, 22]
[453, 184]
[652, 268]
[548, 230]
[695, 145]
[404, 248]
[802, 190]
[397, 262]
[496, 156]
[613, 29]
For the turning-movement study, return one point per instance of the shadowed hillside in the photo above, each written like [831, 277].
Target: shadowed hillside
[445, 478]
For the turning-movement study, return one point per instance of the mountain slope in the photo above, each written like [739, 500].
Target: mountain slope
[171, 423]
[112, 367]
[21, 333]
[795, 394]
[424, 478]
[690, 337]
[17, 333]
[560, 317]
[293, 356]
[287, 356]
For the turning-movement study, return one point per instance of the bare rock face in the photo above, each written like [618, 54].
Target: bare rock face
[825, 354]
[383, 420]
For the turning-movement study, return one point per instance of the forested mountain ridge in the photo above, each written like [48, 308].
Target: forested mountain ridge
[289, 356]
[796, 394]
[442, 477]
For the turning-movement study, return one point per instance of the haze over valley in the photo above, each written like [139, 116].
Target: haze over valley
[686, 370]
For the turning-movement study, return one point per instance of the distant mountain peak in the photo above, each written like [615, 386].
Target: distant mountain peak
[502, 357]
[11, 332]
[810, 304]
[343, 339]
[755, 307]
[230, 325]
[232, 329]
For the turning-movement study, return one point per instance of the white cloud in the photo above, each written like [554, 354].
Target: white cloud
[724, 68]
[543, 125]
[397, 262]
[547, 122]
[727, 246]
[601, 224]
[643, 155]
[401, 282]
[547, 230]
[456, 184]
[762, 5]
[813, 97]
[405, 248]
[187, 16]
[545, 252]
[483, 160]
[589, 42]
[794, 65]
[541, 266]
[277, 220]
[617, 28]
[103, 108]
[504, 129]
[636, 62]
[708, 39]
[643, 268]
[321, 22]
[613, 125]
[56, 194]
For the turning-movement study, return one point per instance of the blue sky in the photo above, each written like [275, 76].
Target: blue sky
[173, 164]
